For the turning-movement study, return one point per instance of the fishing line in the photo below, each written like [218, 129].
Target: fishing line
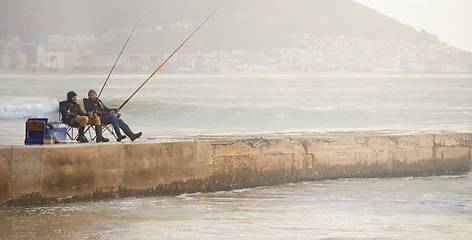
[122, 105]
[116, 61]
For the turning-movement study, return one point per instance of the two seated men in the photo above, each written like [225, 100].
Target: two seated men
[72, 114]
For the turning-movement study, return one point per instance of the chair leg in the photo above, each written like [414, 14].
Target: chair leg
[70, 133]
[107, 127]
[68, 129]
[90, 129]
[87, 129]
[110, 130]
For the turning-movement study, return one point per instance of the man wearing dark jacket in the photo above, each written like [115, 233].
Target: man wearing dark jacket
[108, 115]
[72, 113]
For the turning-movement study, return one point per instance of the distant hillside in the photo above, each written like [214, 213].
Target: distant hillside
[251, 25]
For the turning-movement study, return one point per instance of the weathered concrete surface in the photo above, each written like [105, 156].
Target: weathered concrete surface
[26, 170]
[6, 165]
[74, 172]
[69, 169]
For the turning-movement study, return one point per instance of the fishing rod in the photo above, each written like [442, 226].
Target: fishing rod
[116, 61]
[122, 105]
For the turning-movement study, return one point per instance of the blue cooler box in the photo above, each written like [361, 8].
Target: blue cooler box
[58, 130]
[35, 129]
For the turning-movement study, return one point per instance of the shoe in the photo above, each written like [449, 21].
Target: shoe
[132, 136]
[98, 132]
[102, 139]
[82, 139]
[135, 136]
[119, 138]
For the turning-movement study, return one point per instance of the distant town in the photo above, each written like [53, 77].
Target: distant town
[37, 52]
[38, 36]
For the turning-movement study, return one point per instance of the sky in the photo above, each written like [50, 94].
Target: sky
[450, 20]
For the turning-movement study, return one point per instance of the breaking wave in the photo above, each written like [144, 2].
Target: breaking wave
[24, 107]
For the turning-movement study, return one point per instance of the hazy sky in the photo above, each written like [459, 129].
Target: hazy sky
[450, 20]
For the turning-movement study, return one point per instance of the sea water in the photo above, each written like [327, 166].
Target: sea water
[405, 208]
[186, 105]
[183, 105]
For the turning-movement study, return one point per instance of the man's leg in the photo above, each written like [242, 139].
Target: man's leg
[82, 121]
[113, 119]
[98, 129]
[128, 131]
[93, 121]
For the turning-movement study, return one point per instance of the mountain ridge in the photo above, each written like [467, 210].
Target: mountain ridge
[238, 25]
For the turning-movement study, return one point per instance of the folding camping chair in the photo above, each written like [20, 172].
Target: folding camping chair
[105, 126]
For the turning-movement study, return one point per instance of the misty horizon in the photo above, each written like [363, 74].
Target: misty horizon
[267, 36]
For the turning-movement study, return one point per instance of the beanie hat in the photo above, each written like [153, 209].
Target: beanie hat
[70, 95]
[92, 91]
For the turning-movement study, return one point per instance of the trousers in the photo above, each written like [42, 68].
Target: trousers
[114, 120]
[85, 120]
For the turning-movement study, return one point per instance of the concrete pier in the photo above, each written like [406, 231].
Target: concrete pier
[31, 175]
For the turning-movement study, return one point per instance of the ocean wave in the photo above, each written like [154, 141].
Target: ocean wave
[23, 107]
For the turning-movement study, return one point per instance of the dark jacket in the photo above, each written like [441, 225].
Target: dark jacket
[97, 107]
[70, 110]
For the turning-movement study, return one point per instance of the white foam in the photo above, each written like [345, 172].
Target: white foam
[23, 107]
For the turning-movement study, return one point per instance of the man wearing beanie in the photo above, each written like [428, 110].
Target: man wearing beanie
[72, 113]
[95, 105]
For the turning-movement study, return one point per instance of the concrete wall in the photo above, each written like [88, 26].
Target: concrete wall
[74, 172]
